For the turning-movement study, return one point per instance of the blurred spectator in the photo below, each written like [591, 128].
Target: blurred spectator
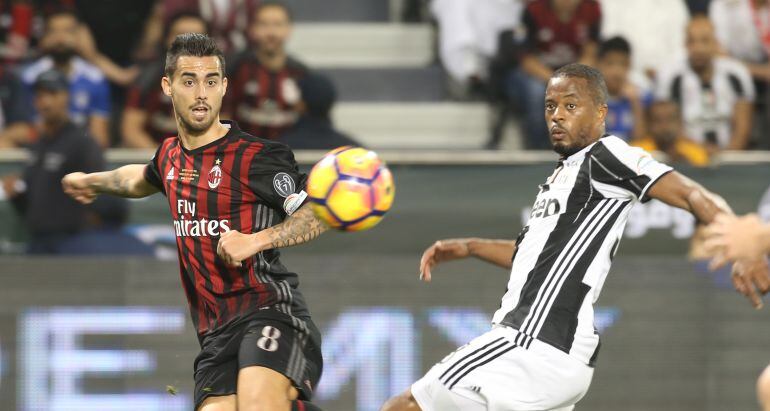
[109, 42]
[314, 129]
[743, 30]
[666, 134]
[715, 93]
[63, 147]
[16, 19]
[15, 117]
[627, 100]
[697, 6]
[89, 91]
[228, 20]
[468, 35]
[262, 95]
[558, 32]
[654, 28]
[148, 117]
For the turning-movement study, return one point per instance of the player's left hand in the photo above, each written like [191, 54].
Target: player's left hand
[750, 278]
[234, 247]
[732, 238]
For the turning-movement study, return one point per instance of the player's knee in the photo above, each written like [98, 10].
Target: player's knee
[402, 402]
[263, 400]
[763, 389]
[262, 389]
[218, 403]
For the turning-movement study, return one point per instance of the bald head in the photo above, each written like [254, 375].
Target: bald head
[701, 42]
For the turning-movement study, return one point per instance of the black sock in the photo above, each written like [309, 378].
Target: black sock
[304, 406]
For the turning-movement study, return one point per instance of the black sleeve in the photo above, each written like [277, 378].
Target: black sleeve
[90, 156]
[618, 170]
[274, 175]
[152, 172]
[16, 106]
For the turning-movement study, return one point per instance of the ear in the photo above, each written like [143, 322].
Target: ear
[165, 84]
[224, 86]
[602, 113]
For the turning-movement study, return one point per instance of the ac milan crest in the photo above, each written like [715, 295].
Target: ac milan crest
[215, 175]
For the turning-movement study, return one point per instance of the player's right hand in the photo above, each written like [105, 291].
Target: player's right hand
[440, 251]
[731, 238]
[752, 279]
[76, 186]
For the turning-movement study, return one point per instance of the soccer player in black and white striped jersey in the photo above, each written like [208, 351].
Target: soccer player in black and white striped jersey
[540, 352]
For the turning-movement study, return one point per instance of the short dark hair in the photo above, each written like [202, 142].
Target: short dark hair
[192, 44]
[592, 76]
[58, 12]
[274, 3]
[617, 44]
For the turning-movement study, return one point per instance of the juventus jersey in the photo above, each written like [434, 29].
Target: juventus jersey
[564, 252]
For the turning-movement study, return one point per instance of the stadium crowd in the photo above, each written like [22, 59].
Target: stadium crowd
[688, 78]
[703, 64]
[709, 58]
[113, 55]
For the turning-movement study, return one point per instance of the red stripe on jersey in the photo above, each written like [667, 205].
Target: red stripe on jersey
[188, 245]
[247, 211]
[208, 252]
[223, 212]
[224, 205]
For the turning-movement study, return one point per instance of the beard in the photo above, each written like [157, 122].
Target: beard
[194, 128]
[61, 55]
[566, 150]
[581, 141]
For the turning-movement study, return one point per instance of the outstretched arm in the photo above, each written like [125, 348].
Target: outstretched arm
[679, 191]
[126, 181]
[298, 228]
[497, 252]
[732, 238]
[749, 276]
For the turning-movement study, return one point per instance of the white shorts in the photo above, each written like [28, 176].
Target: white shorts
[492, 373]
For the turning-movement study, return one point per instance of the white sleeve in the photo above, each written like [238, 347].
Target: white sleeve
[747, 84]
[457, 40]
[663, 84]
[719, 18]
[618, 170]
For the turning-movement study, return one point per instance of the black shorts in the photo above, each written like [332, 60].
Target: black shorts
[264, 341]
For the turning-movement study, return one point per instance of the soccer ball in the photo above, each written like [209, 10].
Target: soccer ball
[350, 189]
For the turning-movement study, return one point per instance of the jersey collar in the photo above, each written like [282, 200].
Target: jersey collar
[233, 130]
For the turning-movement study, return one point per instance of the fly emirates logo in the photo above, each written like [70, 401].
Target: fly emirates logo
[193, 227]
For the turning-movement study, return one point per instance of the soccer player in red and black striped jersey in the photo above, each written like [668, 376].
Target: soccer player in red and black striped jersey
[235, 199]
[265, 97]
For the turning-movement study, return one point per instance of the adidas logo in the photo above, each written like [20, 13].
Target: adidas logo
[170, 175]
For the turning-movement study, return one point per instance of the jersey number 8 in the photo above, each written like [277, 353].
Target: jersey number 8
[269, 340]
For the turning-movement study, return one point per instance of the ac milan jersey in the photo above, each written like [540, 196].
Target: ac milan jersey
[238, 182]
[564, 253]
[145, 95]
[555, 42]
[263, 101]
